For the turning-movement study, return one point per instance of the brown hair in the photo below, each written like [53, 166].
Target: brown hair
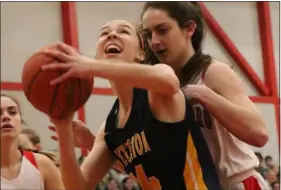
[32, 135]
[51, 155]
[183, 12]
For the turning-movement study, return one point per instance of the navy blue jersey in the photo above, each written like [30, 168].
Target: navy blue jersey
[160, 155]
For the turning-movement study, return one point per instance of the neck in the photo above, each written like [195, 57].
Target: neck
[181, 61]
[10, 153]
[124, 94]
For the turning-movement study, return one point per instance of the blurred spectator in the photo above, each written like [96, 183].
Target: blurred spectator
[270, 165]
[275, 185]
[261, 168]
[271, 177]
[129, 184]
[112, 184]
[269, 170]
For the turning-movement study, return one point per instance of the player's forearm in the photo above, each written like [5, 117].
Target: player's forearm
[142, 76]
[245, 124]
[70, 171]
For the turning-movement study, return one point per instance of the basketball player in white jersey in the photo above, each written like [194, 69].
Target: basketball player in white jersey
[173, 32]
[22, 169]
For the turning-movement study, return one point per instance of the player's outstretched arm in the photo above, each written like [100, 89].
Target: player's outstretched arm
[94, 166]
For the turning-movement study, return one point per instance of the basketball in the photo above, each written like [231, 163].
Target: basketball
[57, 100]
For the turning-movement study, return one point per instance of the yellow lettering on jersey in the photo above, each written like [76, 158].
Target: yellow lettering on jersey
[145, 143]
[134, 147]
[129, 146]
[118, 154]
[138, 144]
[151, 183]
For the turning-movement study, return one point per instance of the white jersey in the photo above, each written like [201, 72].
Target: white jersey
[234, 159]
[29, 177]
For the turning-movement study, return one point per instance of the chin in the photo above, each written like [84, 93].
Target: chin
[12, 134]
[7, 138]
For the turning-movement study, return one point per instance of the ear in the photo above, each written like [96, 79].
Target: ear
[140, 56]
[37, 147]
[189, 28]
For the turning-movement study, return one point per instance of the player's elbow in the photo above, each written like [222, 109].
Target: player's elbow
[172, 85]
[169, 81]
[261, 136]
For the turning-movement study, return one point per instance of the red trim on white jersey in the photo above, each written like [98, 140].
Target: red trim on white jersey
[30, 157]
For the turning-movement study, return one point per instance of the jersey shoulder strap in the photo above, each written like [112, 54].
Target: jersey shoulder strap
[30, 157]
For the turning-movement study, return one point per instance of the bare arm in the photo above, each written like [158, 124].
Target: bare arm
[226, 99]
[83, 138]
[159, 78]
[98, 162]
[50, 173]
[93, 168]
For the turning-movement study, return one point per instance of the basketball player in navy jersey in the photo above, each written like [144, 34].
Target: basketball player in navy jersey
[148, 127]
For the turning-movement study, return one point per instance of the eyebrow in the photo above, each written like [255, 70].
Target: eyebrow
[10, 107]
[122, 25]
[157, 26]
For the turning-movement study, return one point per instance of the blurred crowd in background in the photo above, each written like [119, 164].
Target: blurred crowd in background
[117, 180]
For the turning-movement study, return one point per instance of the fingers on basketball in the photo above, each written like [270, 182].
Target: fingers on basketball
[62, 78]
[66, 48]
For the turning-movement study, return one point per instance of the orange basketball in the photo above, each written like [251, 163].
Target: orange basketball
[58, 100]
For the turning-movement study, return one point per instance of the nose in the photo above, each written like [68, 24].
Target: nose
[112, 35]
[155, 41]
[5, 117]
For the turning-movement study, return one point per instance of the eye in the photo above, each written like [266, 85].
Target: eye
[125, 31]
[162, 30]
[103, 34]
[12, 111]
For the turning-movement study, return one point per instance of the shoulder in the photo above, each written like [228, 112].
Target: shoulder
[43, 160]
[220, 75]
[218, 69]
[45, 164]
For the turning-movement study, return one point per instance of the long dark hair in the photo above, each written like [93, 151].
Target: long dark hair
[182, 12]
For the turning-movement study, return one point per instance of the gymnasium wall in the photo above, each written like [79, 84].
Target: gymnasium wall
[233, 36]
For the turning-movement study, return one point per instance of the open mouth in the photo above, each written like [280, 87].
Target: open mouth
[113, 49]
[7, 126]
[161, 52]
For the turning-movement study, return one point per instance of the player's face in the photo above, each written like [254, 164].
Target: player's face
[165, 38]
[118, 40]
[10, 119]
